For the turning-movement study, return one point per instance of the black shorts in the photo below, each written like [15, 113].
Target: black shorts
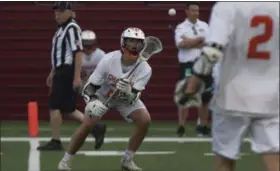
[63, 97]
[186, 71]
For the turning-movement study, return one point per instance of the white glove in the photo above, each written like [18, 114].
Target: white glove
[96, 108]
[123, 85]
[205, 63]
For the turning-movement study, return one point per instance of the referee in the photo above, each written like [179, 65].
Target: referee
[65, 76]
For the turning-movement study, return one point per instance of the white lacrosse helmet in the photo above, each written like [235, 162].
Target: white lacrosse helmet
[133, 33]
[88, 35]
[89, 40]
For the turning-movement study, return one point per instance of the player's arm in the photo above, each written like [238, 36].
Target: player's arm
[220, 29]
[95, 81]
[131, 93]
[94, 107]
[75, 42]
[185, 42]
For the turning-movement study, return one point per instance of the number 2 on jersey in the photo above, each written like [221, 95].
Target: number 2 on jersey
[261, 38]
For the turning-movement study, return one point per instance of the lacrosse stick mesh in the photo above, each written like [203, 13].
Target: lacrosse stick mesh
[152, 46]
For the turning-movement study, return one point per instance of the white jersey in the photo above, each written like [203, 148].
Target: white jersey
[249, 78]
[90, 61]
[110, 70]
[216, 73]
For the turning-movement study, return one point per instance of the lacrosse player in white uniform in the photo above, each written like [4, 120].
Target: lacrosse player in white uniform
[246, 36]
[92, 56]
[110, 75]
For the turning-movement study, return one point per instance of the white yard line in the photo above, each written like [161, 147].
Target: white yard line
[115, 139]
[34, 155]
[240, 155]
[47, 129]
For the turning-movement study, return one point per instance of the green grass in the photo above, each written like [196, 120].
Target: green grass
[188, 156]
[14, 156]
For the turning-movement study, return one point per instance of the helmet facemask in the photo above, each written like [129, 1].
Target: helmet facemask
[134, 46]
[89, 45]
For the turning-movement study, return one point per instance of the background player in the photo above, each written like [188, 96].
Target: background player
[247, 97]
[108, 76]
[91, 58]
[93, 54]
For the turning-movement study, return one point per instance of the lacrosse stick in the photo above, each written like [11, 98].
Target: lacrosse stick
[152, 45]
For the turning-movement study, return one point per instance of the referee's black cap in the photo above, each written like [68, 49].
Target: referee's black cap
[62, 5]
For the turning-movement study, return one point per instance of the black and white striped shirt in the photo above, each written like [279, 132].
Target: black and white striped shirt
[66, 43]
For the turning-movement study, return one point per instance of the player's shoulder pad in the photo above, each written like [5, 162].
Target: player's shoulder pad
[224, 6]
[100, 52]
[112, 54]
[146, 68]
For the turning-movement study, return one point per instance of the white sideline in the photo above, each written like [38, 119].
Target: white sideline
[34, 155]
[116, 139]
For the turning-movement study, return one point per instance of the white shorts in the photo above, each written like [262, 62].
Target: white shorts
[124, 109]
[228, 133]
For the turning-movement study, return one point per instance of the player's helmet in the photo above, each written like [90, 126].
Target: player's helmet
[88, 38]
[132, 39]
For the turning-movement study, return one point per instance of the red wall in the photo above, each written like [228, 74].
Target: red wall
[25, 35]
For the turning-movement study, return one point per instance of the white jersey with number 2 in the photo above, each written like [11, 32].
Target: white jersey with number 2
[249, 78]
[110, 69]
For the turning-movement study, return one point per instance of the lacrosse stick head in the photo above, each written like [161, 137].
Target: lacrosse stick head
[152, 45]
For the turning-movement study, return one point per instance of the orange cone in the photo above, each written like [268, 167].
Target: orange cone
[33, 125]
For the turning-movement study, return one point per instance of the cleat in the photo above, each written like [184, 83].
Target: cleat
[64, 165]
[51, 146]
[98, 133]
[180, 131]
[127, 164]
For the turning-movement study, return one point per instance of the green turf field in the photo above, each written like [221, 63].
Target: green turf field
[161, 151]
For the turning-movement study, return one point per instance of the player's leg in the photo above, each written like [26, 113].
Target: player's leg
[140, 115]
[182, 117]
[265, 141]
[70, 101]
[55, 99]
[227, 133]
[98, 132]
[185, 71]
[203, 113]
[77, 141]
[202, 127]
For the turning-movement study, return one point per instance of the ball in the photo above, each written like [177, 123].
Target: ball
[172, 12]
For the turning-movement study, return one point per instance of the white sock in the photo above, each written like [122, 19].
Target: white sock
[67, 156]
[129, 154]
